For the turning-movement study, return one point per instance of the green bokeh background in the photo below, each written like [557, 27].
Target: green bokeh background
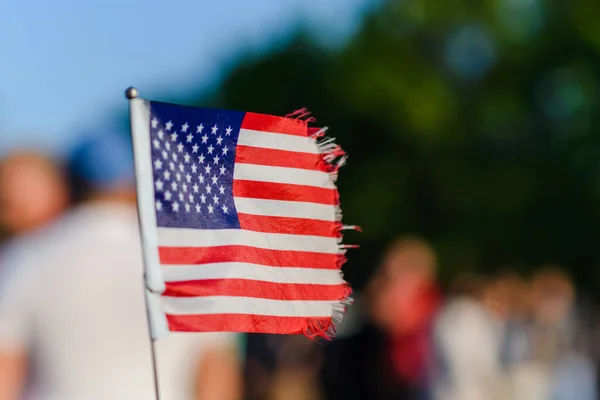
[473, 123]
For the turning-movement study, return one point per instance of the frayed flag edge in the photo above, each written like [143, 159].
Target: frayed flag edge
[331, 158]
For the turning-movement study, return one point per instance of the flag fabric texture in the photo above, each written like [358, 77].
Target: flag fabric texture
[240, 219]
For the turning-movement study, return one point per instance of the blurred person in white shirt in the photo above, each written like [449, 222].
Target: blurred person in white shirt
[469, 337]
[72, 313]
[553, 368]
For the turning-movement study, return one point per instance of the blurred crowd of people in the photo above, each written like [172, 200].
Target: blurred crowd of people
[500, 336]
[72, 314]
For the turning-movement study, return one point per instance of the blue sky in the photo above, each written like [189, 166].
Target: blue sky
[64, 64]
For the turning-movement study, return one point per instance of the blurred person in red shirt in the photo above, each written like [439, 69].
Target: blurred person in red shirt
[390, 358]
[72, 314]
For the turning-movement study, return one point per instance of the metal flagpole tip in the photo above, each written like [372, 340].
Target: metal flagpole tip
[131, 93]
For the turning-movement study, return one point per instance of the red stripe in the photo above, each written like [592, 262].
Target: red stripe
[293, 226]
[278, 158]
[274, 124]
[243, 323]
[253, 288]
[273, 258]
[283, 191]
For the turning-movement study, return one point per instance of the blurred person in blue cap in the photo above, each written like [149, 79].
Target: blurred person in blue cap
[72, 315]
[101, 167]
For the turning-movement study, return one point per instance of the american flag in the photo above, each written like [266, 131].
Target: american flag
[248, 230]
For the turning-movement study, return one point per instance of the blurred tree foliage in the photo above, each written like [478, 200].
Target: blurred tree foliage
[471, 123]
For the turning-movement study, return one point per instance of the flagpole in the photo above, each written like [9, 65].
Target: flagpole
[152, 348]
[131, 94]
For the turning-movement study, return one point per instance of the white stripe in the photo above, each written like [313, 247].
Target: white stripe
[183, 237]
[294, 176]
[247, 305]
[280, 208]
[278, 141]
[239, 270]
[139, 111]
[140, 133]
[157, 320]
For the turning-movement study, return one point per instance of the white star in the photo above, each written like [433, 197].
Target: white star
[189, 138]
[225, 209]
[222, 169]
[169, 125]
[221, 189]
[210, 149]
[184, 186]
[199, 128]
[168, 146]
[172, 166]
[216, 199]
[174, 185]
[178, 176]
[180, 147]
[203, 198]
[219, 140]
[195, 148]
[158, 205]
[154, 122]
[167, 175]
[195, 188]
[188, 178]
[173, 137]
[214, 180]
[204, 138]
[158, 164]
[180, 196]
[214, 129]
[186, 157]
[174, 156]
[194, 168]
[175, 206]
[165, 154]
[201, 178]
[197, 208]
[184, 127]
[216, 159]
[191, 198]
[168, 195]
[187, 207]
[228, 130]
[156, 143]
[207, 169]
[161, 134]
[225, 150]
[159, 185]
[208, 189]
[210, 209]
[201, 159]
[181, 167]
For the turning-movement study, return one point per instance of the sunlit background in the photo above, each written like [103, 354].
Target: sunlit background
[65, 64]
[472, 125]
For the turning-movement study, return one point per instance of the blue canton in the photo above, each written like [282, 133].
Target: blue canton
[193, 156]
